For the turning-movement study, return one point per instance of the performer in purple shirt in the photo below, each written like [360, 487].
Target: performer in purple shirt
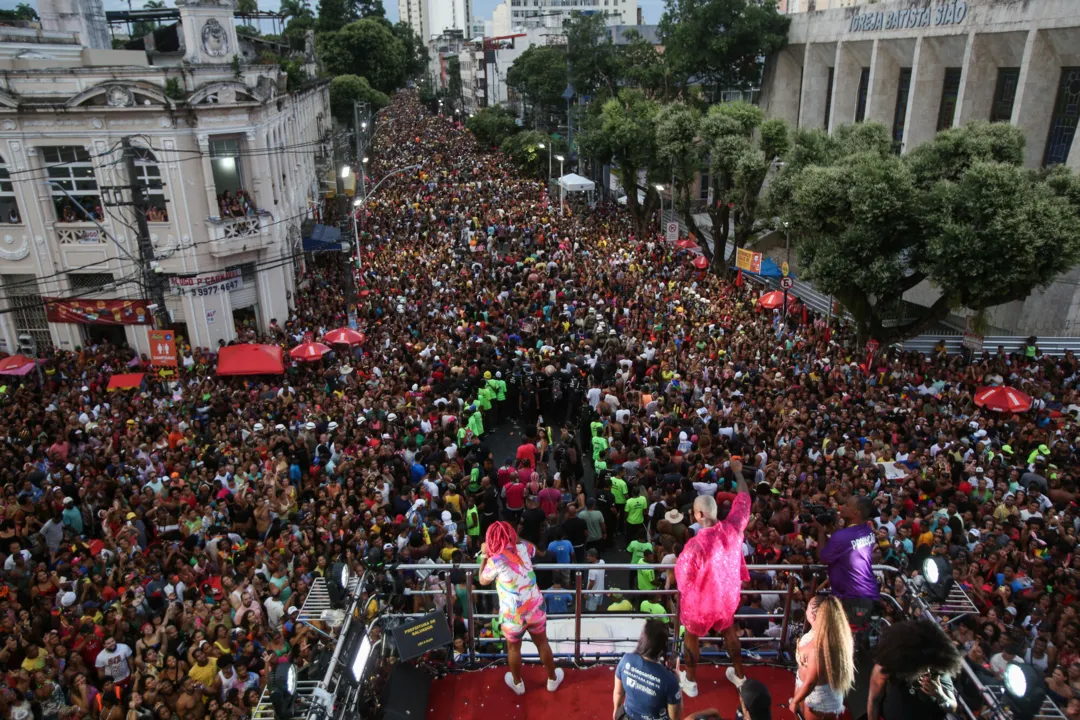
[848, 557]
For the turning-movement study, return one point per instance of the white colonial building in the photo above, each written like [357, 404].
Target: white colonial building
[228, 152]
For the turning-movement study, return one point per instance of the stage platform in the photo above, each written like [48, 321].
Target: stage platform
[583, 695]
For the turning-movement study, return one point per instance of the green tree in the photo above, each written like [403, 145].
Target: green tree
[416, 52]
[721, 42]
[247, 6]
[345, 90]
[529, 151]
[491, 126]
[960, 212]
[740, 147]
[641, 65]
[623, 132]
[370, 8]
[366, 48]
[334, 15]
[145, 27]
[295, 9]
[539, 76]
[248, 30]
[592, 56]
[22, 11]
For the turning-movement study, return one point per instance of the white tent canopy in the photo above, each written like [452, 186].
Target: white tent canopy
[576, 183]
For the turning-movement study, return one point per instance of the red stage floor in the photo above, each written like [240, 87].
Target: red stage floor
[583, 695]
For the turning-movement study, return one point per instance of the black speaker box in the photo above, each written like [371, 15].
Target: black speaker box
[406, 693]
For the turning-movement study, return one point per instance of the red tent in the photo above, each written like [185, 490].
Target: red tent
[250, 360]
[1002, 399]
[309, 351]
[700, 262]
[16, 365]
[775, 299]
[126, 381]
[344, 336]
[686, 244]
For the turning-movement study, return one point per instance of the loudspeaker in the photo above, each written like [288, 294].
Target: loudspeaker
[407, 693]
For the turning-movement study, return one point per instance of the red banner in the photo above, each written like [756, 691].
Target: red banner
[162, 348]
[98, 312]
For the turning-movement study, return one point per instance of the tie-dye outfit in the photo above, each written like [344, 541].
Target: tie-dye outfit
[521, 606]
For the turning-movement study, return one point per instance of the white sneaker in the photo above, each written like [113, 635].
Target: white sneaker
[519, 688]
[733, 678]
[689, 689]
[752, 655]
[553, 685]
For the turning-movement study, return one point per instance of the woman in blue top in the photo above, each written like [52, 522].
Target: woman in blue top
[645, 689]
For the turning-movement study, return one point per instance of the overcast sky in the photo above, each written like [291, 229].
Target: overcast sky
[481, 8]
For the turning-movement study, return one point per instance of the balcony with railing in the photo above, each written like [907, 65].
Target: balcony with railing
[232, 235]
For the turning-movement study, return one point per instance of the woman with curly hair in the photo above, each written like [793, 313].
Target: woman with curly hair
[506, 559]
[913, 671]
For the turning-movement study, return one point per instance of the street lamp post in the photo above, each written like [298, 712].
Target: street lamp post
[660, 192]
[787, 261]
[542, 146]
[562, 190]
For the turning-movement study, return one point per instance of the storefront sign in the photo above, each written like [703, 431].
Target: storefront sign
[951, 12]
[98, 312]
[205, 285]
[162, 348]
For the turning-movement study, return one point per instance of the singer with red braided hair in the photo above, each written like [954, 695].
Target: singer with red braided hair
[507, 560]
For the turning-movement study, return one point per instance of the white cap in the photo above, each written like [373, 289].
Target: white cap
[279, 426]
[68, 599]
[332, 425]
[257, 427]
[310, 426]
[391, 417]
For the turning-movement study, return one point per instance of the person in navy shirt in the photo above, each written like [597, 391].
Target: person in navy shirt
[644, 687]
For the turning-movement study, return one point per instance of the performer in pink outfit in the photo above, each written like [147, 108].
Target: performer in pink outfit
[710, 572]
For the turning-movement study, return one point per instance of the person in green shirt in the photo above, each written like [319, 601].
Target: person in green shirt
[646, 578]
[635, 511]
[472, 523]
[621, 492]
[619, 603]
[637, 548]
[476, 421]
[600, 463]
[651, 605]
[599, 445]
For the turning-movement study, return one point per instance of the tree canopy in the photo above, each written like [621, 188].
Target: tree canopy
[624, 132]
[960, 213]
[491, 126]
[721, 42]
[366, 48]
[345, 90]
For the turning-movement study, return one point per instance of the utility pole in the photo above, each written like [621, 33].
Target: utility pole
[152, 279]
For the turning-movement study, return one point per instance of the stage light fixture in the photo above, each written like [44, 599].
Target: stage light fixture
[1025, 690]
[937, 572]
[360, 659]
[283, 696]
[337, 584]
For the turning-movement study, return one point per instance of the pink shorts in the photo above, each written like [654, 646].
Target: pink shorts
[514, 629]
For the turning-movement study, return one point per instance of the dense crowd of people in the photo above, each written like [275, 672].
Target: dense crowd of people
[157, 544]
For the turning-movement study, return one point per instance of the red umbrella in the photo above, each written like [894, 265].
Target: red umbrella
[344, 336]
[775, 299]
[700, 262]
[1002, 399]
[309, 351]
[686, 244]
[16, 365]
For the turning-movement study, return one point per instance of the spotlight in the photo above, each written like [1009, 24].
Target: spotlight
[937, 572]
[1024, 690]
[345, 170]
[283, 695]
[337, 584]
[359, 663]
